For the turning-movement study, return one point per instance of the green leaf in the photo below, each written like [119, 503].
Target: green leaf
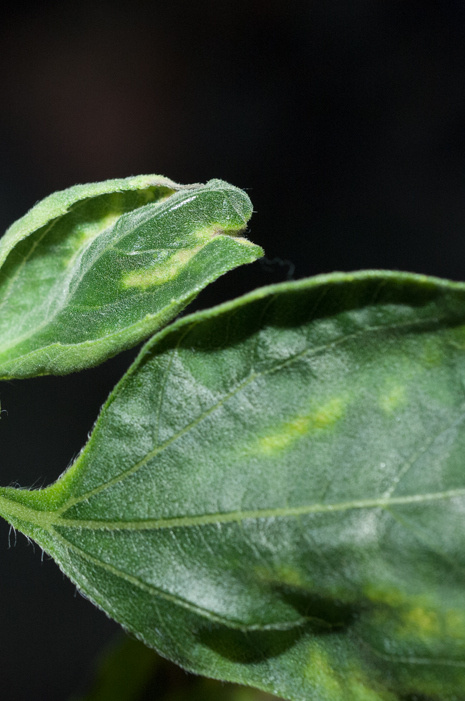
[97, 268]
[274, 494]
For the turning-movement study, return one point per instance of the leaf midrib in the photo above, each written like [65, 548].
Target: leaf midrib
[46, 518]
[254, 514]
[49, 519]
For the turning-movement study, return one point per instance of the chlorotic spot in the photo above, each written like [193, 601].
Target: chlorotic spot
[419, 620]
[455, 624]
[386, 596]
[349, 681]
[324, 417]
[322, 674]
[359, 689]
[162, 272]
[392, 398]
[282, 574]
[206, 233]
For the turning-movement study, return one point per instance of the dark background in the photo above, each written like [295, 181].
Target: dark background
[344, 120]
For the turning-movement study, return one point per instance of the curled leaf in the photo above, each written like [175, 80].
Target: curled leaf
[95, 269]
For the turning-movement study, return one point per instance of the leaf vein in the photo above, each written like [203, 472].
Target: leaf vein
[173, 598]
[238, 516]
[309, 352]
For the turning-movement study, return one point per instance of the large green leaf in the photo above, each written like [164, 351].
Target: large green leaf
[274, 494]
[97, 268]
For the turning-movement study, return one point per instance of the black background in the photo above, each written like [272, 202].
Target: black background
[345, 122]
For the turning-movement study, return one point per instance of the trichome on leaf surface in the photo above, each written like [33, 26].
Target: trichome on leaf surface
[273, 494]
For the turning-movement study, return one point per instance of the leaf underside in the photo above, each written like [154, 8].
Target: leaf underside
[98, 268]
[274, 493]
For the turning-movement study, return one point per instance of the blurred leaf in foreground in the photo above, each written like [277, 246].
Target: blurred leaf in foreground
[129, 671]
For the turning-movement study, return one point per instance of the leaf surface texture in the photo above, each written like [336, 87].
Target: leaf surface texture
[274, 494]
[97, 268]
